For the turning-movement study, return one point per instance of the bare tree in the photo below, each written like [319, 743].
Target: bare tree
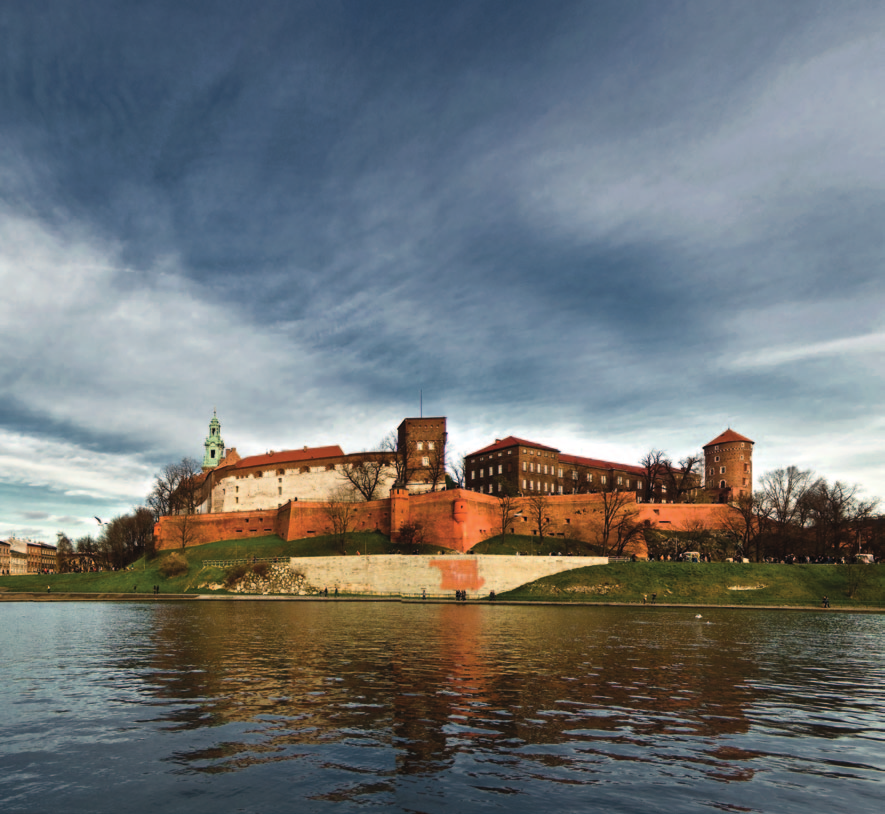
[838, 513]
[509, 509]
[176, 489]
[186, 530]
[626, 528]
[64, 549]
[457, 471]
[340, 510]
[366, 475]
[681, 480]
[436, 466]
[742, 524]
[655, 463]
[784, 498]
[614, 504]
[537, 507]
[397, 449]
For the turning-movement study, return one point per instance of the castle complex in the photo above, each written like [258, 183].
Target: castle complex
[229, 483]
[416, 462]
[292, 493]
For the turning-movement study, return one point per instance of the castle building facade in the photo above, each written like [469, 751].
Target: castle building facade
[230, 483]
[521, 467]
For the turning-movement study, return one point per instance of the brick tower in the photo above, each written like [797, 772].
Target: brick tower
[728, 467]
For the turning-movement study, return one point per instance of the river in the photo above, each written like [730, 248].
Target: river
[340, 706]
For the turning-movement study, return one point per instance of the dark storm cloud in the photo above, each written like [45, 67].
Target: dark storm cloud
[638, 218]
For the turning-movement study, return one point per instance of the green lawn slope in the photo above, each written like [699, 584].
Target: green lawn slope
[521, 544]
[712, 584]
[141, 576]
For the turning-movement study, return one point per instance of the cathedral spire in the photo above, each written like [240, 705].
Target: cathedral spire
[214, 445]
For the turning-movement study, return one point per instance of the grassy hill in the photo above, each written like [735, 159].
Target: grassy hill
[141, 576]
[521, 544]
[712, 584]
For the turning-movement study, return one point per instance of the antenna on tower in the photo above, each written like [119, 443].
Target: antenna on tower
[421, 404]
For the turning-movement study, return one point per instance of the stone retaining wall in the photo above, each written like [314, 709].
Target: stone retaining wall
[437, 575]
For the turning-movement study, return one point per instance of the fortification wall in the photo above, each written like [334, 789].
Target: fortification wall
[438, 576]
[456, 519]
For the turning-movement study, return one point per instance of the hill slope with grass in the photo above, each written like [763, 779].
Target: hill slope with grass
[194, 577]
[712, 584]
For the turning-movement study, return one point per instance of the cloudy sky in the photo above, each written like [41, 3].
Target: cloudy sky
[605, 226]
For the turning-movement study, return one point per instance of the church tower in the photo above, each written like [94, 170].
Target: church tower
[213, 444]
[728, 467]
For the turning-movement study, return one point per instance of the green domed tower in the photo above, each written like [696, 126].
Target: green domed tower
[214, 444]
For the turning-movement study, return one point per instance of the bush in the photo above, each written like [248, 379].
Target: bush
[173, 565]
[234, 574]
[260, 569]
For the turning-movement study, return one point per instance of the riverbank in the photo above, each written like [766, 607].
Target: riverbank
[625, 583]
[411, 600]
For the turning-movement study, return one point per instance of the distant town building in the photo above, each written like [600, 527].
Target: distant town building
[19, 556]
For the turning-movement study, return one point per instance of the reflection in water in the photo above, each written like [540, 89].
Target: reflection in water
[436, 707]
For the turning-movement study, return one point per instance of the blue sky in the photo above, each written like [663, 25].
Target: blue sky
[606, 226]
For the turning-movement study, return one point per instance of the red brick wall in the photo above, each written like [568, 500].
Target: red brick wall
[456, 519]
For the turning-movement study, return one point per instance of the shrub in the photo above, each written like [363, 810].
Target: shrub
[234, 574]
[173, 565]
[260, 569]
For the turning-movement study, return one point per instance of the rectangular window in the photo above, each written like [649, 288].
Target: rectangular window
[420, 446]
[721, 470]
[500, 469]
[604, 479]
[431, 445]
[426, 462]
[472, 474]
[482, 473]
[523, 483]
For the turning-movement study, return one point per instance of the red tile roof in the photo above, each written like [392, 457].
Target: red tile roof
[290, 456]
[728, 436]
[511, 441]
[596, 463]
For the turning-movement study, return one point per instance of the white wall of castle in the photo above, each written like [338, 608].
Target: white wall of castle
[258, 491]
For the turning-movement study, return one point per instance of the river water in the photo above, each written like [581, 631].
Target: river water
[342, 706]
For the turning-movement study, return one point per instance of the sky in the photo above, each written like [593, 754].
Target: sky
[603, 226]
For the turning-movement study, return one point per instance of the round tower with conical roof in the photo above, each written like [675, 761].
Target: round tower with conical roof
[214, 445]
[728, 467]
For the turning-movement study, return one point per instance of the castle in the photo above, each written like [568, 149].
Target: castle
[415, 461]
[291, 493]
